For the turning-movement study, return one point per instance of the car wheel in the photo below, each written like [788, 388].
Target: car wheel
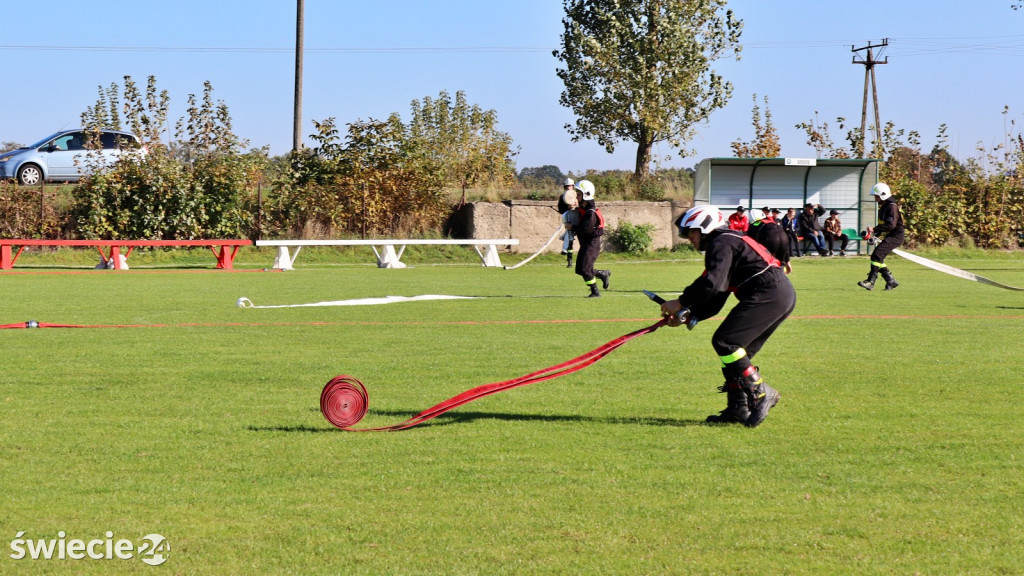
[29, 175]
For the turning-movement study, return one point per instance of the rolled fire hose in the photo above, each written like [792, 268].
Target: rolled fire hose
[343, 401]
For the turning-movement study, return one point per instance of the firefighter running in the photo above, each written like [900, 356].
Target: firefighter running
[738, 264]
[589, 231]
[890, 231]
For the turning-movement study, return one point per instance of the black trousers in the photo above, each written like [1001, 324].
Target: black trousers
[794, 242]
[887, 245]
[761, 310]
[842, 238]
[590, 249]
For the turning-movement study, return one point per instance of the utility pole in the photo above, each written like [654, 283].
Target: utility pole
[869, 78]
[297, 119]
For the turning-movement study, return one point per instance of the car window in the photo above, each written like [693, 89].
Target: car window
[108, 140]
[72, 141]
[62, 142]
[126, 142]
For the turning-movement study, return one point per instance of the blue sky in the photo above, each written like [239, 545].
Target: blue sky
[953, 63]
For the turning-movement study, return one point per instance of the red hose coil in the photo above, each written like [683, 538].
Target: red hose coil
[344, 400]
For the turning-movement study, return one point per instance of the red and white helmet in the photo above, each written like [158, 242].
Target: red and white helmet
[882, 191]
[705, 218]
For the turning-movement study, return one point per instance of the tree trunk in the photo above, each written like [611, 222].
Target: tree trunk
[643, 159]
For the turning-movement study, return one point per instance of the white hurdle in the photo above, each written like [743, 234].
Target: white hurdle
[384, 249]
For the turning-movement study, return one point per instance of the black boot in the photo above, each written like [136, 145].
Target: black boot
[736, 410]
[870, 282]
[594, 292]
[890, 282]
[604, 275]
[760, 396]
[568, 259]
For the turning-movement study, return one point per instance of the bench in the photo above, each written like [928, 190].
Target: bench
[223, 250]
[852, 235]
[387, 256]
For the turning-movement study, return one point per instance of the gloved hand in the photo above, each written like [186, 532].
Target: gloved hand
[687, 318]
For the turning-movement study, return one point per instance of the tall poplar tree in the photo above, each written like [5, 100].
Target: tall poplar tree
[640, 70]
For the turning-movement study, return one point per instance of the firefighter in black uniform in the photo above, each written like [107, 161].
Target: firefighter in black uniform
[738, 264]
[890, 231]
[770, 234]
[589, 232]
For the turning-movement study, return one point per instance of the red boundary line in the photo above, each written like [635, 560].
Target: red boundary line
[489, 322]
[23, 272]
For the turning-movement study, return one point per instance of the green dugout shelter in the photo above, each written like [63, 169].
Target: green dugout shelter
[842, 185]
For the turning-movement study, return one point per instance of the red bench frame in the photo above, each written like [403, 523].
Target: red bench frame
[220, 248]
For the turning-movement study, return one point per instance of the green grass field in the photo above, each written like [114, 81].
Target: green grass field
[897, 448]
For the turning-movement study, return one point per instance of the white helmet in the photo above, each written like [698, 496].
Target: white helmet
[569, 182]
[705, 218]
[587, 187]
[882, 191]
[756, 214]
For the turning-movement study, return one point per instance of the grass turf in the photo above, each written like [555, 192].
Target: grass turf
[896, 447]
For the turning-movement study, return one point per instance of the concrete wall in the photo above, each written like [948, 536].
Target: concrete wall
[534, 221]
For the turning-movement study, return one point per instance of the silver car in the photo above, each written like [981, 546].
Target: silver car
[63, 157]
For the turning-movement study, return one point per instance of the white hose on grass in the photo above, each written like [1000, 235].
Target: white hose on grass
[953, 271]
[244, 302]
[558, 232]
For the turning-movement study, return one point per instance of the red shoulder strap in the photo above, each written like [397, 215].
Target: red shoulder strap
[762, 251]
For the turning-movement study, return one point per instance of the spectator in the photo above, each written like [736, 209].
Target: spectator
[834, 231]
[738, 220]
[792, 228]
[811, 229]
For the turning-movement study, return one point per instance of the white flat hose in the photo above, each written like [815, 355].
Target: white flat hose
[244, 302]
[558, 232]
[952, 271]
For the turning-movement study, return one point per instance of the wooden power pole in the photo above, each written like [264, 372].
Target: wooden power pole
[297, 118]
[869, 79]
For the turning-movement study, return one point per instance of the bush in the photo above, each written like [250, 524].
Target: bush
[633, 239]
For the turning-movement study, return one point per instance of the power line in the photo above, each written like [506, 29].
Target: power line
[382, 50]
[1009, 45]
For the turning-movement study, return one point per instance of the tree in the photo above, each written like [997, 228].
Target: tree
[145, 115]
[766, 140]
[639, 70]
[819, 138]
[548, 172]
[201, 186]
[460, 142]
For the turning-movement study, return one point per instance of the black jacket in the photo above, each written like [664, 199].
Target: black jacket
[731, 265]
[890, 220]
[772, 236]
[809, 222]
[591, 223]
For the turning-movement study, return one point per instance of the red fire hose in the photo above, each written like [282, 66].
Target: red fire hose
[343, 400]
